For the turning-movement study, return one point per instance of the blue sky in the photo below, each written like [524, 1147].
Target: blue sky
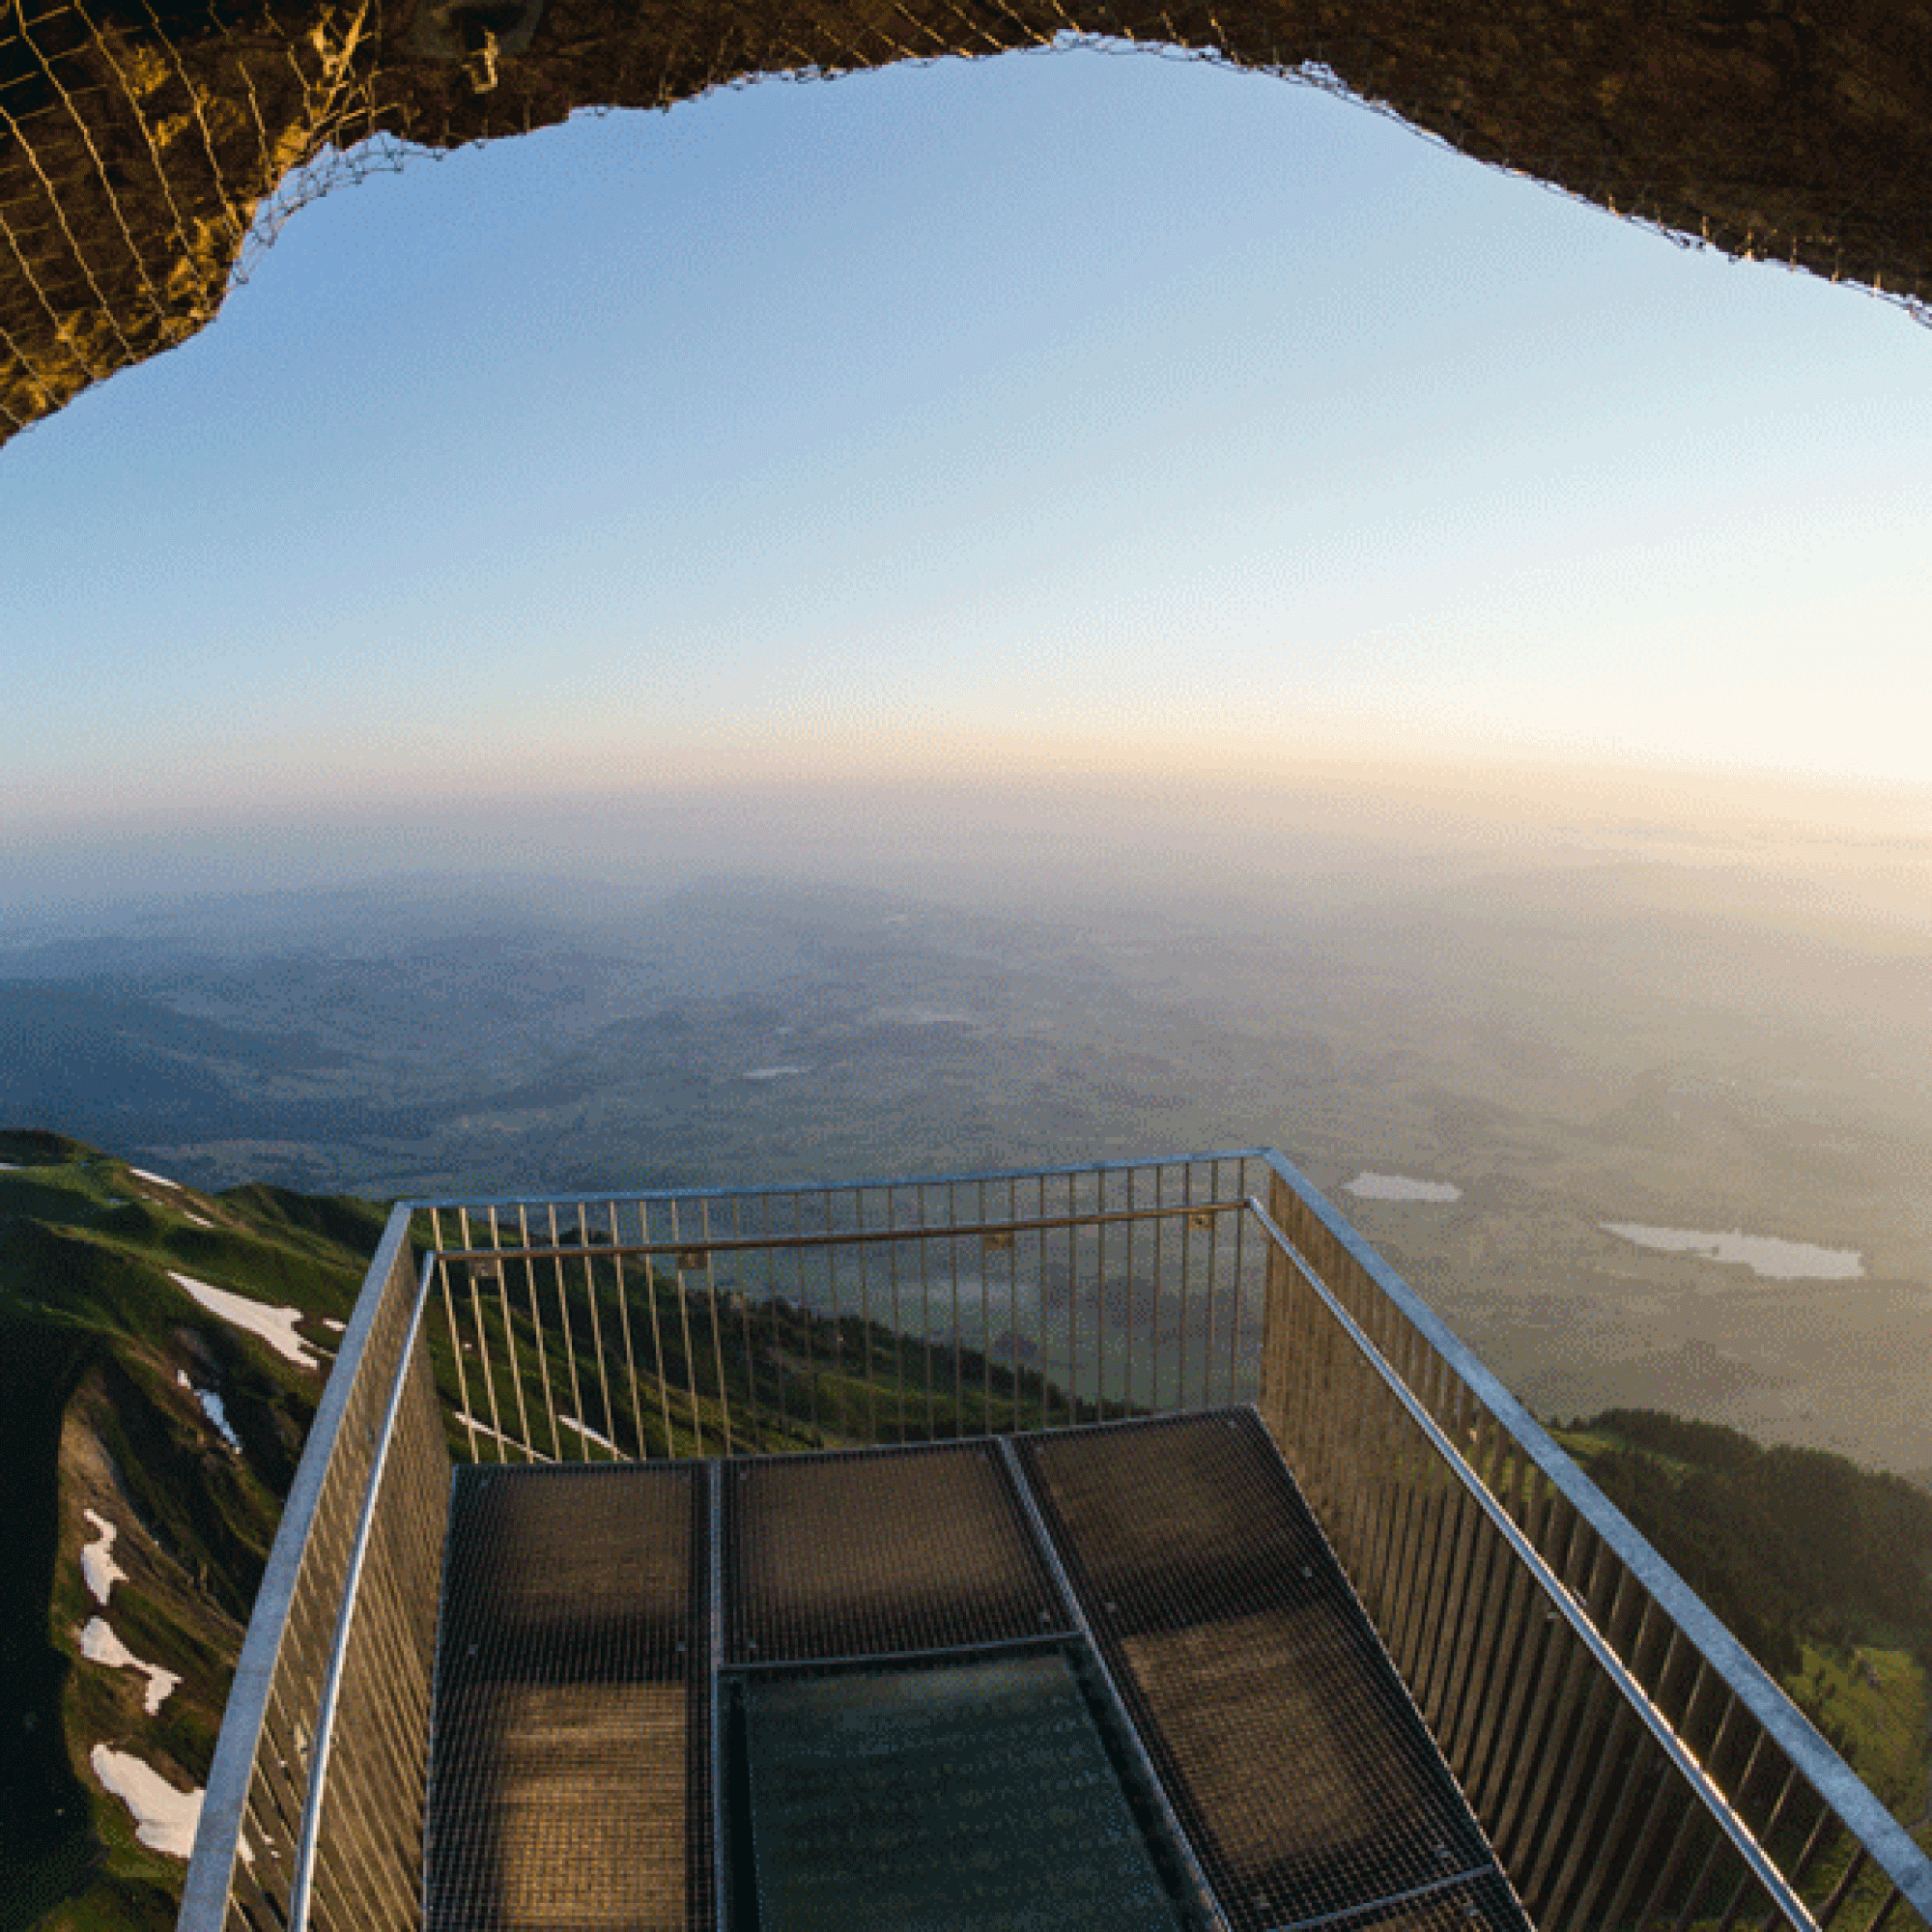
[1079, 409]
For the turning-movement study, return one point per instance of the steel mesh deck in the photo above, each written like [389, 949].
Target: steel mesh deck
[1291, 1750]
[572, 1704]
[877, 1552]
[572, 1778]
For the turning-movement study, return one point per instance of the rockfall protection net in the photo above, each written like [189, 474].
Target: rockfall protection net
[149, 149]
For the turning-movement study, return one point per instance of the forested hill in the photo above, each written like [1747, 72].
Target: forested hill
[1822, 1568]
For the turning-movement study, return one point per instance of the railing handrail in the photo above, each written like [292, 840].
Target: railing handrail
[781, 1190]
[219, 1837]
[1835, 1781]
[302, 1879]
[842, 1237]
[1629, 1687]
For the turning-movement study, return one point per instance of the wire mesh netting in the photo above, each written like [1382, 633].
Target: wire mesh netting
[150, 148]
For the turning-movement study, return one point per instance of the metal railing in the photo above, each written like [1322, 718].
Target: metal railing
[1629, 1763]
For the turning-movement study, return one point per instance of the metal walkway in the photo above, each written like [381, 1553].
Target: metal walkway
[1109, 1675]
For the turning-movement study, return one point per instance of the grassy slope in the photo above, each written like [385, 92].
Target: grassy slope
[94, 1341]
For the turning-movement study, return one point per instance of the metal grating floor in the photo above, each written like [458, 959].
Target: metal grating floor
[861, 1599]
[569, 1760]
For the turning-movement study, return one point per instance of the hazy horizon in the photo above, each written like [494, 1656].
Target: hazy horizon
[1098, 418]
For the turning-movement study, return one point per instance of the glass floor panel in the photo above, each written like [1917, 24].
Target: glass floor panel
[968, 1797]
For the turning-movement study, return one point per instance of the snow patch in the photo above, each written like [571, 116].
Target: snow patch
[212, 1407]
[164, 1818]
[331, 1323]
[277, 1326]
[97, 1560]
[159, 1179]
[195, 1219]
[482, 1428]
[100, 1646]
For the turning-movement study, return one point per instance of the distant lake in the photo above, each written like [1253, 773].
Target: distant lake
[1399, 1187]
[1763, 1254]
[771, 1072]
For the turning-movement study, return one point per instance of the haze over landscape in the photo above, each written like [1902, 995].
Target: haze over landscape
[1015, 610]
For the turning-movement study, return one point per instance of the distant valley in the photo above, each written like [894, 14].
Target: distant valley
[1572, 1050]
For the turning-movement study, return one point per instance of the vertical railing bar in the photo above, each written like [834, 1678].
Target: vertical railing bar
[657, 1331]
[482, 1344]
[1043, 1361]
[779, 1352]
[569, 1338]
[1186, 1281]
[926, 1319]
[866, 1319]
[456, 1351]
[1533, 1634]
[1133, 1226]
[1815, 1843]
[898, 1325]
[1159, 1282]
[684, 1329]
[1669, 1790]
[1241, 1269]
[1495, 1571]
[624, 1322]
[1558, 1751]
[530, 1446]
[1578, 1882]
[1879, 1918]
[1013, 1303]
[536, 1323]
[1692, 1819]
[713, 1659]
[1842, 1889]
[1448, 1579]
[1426, 1528]
[1741, 1797]
[745, 1336]
[958, 1367]
[1100, 1294]
[1560, 1839]
[716, 1337]
[596, 1340]
[1213, 1281]
[985, 1326]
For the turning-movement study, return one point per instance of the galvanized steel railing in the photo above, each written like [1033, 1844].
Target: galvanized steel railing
[1631, 1764]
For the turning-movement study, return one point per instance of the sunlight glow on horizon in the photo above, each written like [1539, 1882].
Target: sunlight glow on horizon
[1008, 423]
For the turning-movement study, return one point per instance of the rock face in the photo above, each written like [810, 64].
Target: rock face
[138, 138]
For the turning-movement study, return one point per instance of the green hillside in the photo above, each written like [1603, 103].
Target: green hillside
[124, 1401]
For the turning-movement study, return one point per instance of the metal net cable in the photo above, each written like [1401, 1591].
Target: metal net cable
[151, 150]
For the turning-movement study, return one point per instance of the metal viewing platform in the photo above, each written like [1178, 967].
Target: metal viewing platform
[1117, 1547]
